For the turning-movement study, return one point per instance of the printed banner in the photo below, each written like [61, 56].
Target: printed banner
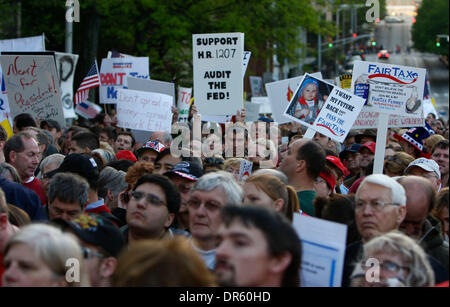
[280, 93]
[66, 64]
[183, 103]
[144, 110]
[114, 73]
[391, 89]
[32, 85]
[218, 82]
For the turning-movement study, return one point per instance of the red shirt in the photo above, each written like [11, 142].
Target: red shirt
[36, 186]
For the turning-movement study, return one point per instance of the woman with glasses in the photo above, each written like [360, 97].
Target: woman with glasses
[393, 260]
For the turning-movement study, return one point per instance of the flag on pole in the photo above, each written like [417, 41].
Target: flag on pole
[91, 80]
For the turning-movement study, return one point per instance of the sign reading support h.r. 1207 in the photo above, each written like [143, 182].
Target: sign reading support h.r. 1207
[218, 82]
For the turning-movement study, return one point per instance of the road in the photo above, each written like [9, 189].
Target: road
[392, 34]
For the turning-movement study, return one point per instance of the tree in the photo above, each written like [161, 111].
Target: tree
[432, 20]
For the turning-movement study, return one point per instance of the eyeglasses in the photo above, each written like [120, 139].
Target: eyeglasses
[89, 253]
[376, 205]
[209, 205]
[152, 199]
[387, 266]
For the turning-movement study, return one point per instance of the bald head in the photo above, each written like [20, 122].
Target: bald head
[420, 195]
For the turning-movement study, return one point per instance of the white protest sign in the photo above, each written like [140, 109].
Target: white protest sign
[33, 43]
[280, 93]
[154, 86]
[370, 120]
[144, 110]
[245, 170]
[66, 64]
[33, 86]
[252, 111]
[256, 85]
[428, 107]
[218, 82]
[114, 73]
[323, 251]
[221, 119]
[391, 89]
[338, 115]
[183, 103]
[247, 55]
[264, 103]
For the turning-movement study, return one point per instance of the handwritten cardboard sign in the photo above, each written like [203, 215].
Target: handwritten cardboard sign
[32, 85]
[66, 64]
[144, 110]
[183, 103]
[114, 73]
[218, 82]
[391, 89]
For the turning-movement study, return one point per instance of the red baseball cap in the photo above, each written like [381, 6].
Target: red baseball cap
[338, 163]
[126, 154]
[329, 179]
[370, 145]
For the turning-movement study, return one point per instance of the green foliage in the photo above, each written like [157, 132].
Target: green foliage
[432, 19]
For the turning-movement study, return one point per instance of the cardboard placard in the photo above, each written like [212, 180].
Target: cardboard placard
[144, 110]
[218, 82]
[32, 85]
[184, 103]
[66, 64]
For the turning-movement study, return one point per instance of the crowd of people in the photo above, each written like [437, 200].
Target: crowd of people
[89, 205]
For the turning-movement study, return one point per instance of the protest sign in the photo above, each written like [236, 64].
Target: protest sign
[30, 44]
[247, 55]
[264, 104]
[114, 73]
[32, 85]
[252, 111]
[218, 82]
[344, 81]
[4, 122]
[323, 251]
[144, 110]
[245, 170]
[370, 120]
[184, 103]
[66, 64]
[256, 85]
[280, 93]
[154, 86]
[391, 89]
[428, 107]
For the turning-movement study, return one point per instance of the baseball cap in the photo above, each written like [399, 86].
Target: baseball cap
[353, 148]
[126, 154]
[96, 230]
[189, 170]
[370, 145]
[153, 145]
[80, 164]
[329, 179]
[338, 163]
[426, 164]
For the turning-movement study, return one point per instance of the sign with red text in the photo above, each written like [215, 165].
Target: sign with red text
[183, 103]
[218, 82]
[32, 85]
[144, 110]
[114, 73]
[391, 89]
[369, 120]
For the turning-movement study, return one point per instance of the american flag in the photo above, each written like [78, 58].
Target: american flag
[91, 80]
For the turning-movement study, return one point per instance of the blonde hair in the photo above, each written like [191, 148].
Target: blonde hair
[398, 163]
[233, 163]
[432, 140]
[53, 247]
[162, 263]
[275, 188]
[413, 256]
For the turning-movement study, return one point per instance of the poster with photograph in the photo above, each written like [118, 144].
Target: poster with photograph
[308, 100]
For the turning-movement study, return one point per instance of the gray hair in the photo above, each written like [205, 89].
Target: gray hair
[398, 194]
[6, 167]
[273, 172]
[398, 244]
[53, 247]
[56, 159]
[111, 179]
[68, 188]
[223, 180]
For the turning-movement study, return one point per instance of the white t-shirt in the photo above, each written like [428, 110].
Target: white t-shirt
[208, 256]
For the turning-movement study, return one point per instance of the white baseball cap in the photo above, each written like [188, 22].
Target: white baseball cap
[426, 164]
